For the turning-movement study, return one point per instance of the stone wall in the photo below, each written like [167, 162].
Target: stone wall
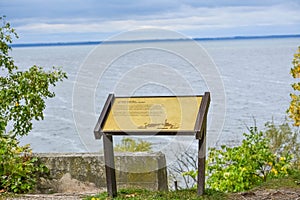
[78, 172]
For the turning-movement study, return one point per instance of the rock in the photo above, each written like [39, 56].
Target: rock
[69, 185]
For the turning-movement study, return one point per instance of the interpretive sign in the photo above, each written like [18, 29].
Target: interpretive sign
[137, 114]
[152, 115]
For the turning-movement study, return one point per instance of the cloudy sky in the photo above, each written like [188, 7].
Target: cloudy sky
[94, 20]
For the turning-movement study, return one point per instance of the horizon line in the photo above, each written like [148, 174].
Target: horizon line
[37, 44]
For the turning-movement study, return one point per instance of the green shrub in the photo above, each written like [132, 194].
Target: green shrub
[131, 145]
[18, 169]
[234, 169]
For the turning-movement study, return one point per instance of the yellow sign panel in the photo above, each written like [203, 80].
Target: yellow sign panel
[153, 114]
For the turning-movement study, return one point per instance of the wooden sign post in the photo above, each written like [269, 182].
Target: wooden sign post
[152, 115]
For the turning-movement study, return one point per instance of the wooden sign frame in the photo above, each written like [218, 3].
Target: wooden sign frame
[108, 131]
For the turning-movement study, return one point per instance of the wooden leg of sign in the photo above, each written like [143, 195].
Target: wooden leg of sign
[110, 165]
[201, 162]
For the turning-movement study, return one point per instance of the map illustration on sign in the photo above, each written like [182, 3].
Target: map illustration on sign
[165, 125]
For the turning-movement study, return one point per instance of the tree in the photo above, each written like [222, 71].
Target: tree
[22, 99]
[294, 109]
[22, 93]
[131, 145]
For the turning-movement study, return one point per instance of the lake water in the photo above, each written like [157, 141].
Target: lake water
[255, 74]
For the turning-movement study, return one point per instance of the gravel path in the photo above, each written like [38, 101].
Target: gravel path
[57, 196]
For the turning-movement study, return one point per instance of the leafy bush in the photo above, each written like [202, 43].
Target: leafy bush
[234, 169]
[242, 167]
[22, 99]
[18, 169]
[131, 145]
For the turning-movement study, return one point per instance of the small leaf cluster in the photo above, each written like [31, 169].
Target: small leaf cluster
[22, 98]
[131, 145]
[294, 108]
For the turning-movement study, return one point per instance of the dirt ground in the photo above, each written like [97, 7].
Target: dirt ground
[269, 194]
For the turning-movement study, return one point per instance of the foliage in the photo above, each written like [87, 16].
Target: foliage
[23, 93]
[131, 145]
[233, 169]
[294, 108]
[18, 169]
[284, 141]
[242, 167]
[22, 99]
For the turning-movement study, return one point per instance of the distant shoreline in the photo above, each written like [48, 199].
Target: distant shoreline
[152, 40]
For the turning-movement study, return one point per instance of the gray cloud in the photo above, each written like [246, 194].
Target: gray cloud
[190, 17]
[116, 9]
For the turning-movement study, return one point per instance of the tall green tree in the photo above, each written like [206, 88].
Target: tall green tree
[22, 93]
[22, 100]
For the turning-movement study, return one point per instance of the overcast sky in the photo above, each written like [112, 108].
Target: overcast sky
[90, 20]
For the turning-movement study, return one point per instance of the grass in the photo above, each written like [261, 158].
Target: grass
[140, 194]
[290, 182]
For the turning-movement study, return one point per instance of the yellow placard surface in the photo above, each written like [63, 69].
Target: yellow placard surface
[153, 114]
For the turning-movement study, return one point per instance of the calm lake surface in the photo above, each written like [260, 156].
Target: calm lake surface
[255, 74]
